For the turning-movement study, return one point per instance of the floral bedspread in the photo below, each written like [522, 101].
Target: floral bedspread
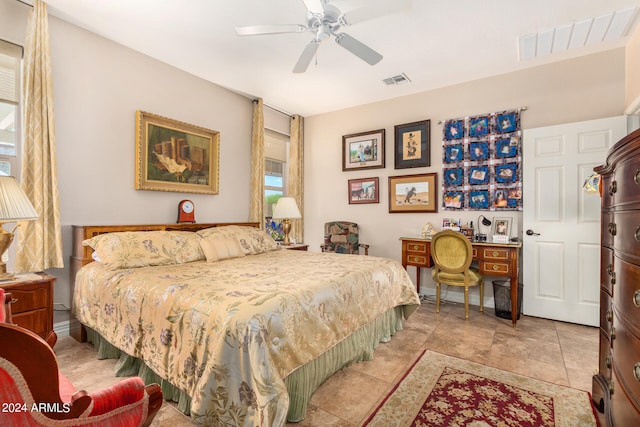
[228, 332]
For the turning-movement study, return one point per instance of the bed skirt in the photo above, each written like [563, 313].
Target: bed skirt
[301, 384]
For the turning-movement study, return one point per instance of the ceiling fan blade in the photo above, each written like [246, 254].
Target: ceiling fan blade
[359, 49]
[306, 57]
[375, 9]
[255, 30]
[314, 6]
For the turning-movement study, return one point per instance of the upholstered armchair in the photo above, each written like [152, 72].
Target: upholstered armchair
[342, 237]
[35, 393]
[452, 254]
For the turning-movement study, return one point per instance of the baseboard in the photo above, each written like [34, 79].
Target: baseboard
[66, 327]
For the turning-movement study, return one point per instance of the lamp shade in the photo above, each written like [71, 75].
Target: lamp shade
[14, 204]
[286, 208]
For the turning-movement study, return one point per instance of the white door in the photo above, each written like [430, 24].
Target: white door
[561, 223]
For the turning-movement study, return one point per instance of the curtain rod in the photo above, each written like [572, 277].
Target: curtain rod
[24, 2]
[274, 108]
[519, 109]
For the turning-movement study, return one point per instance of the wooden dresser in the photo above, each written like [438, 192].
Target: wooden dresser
[616, 387]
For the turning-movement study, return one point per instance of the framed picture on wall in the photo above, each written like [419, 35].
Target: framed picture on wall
[175, 156]
[363, 150]
[364, 190]
[412, 145]
[413, 193]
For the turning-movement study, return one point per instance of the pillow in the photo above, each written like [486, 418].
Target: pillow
[252, 240]
[130, 249]
[217, 248]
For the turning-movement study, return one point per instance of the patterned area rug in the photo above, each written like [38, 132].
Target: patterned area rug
[440, 390]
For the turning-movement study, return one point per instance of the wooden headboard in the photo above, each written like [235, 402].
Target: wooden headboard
[81, 255]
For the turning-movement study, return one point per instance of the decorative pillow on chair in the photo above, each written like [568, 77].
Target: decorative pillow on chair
[252, 240]
[217, 248]
[131, 249]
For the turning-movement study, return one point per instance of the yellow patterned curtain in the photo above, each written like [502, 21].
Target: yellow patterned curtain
[39, 242]
[295, 187]
[256, 202]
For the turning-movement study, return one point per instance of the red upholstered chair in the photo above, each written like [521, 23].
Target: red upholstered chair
[35, 393]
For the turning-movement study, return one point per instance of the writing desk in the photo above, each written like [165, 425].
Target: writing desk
[494, 259]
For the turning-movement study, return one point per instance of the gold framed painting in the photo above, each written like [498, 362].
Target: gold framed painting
[413, 193]
[176, 156]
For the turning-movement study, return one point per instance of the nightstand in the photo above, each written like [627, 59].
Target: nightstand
[32, 303]
[295, 247]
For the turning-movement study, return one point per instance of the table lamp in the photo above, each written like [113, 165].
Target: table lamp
[482, 221]
[14, 206]
[286, 209]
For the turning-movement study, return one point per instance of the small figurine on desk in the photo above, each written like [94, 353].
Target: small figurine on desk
[428, 230]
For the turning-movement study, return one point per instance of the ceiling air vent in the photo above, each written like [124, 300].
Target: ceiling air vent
[396, 80]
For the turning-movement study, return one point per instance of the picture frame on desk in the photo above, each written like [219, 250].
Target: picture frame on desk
[501, 230]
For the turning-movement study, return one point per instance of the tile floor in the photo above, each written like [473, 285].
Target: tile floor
[557, 352]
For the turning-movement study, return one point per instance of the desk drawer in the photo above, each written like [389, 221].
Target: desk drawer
[495, 254]
[414, 246]
[490, 268]
[419, 260]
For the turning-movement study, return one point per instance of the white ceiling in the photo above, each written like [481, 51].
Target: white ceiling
[435, 43]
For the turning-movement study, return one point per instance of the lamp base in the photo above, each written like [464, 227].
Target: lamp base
[286, 227]
[5, 240]
[5, 277]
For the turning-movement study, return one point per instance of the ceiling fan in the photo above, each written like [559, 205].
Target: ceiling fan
[326, 20]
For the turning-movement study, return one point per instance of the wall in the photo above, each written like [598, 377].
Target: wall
[632, 72]
[574, 90]
[98, 86]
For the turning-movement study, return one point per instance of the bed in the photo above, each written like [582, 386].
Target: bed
[237, 330]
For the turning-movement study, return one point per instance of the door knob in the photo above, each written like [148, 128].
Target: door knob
[532, 233]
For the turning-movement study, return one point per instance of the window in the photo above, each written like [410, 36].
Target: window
[10, 57]
[275, 169]
[273, 184]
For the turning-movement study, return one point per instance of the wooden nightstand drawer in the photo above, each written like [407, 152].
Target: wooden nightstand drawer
[27, 298]
[34, 320]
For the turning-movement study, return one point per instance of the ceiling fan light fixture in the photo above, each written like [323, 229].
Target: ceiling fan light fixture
[324, 32]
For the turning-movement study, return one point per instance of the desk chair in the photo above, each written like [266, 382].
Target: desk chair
[342, 237]
[452, 255]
